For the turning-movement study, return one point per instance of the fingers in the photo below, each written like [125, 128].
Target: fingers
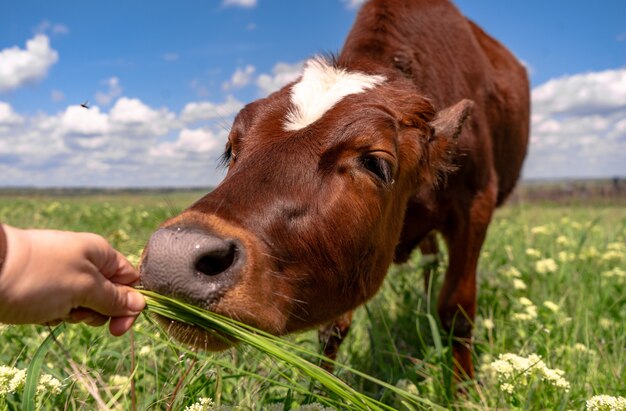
[107, 293]
[125, 273]
[111, 299]
[87, 316]
[110, 262]
[119, 325]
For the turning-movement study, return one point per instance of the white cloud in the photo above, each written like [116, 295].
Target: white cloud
[105, 98]
[77, 120]
[46, 27]
[190, 142]
[132, 143]
[23, 66]
[579, 126]
[81, 146]
[136, 118]
[240, 78]
[171, 57]
[199, 88]
[57, 96]
[584, 93]
[206, 110]
[8, 116]
[239, 3]
[353, 4]
[282, 74]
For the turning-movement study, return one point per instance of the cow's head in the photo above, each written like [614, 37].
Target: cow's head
[304, 225]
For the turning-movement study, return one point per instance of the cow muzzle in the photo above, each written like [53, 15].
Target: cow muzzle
[191, 265]
[196, 267]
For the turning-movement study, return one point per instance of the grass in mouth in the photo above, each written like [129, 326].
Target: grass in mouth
[288, 353]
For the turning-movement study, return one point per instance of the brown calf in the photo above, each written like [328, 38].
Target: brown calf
[419, 125]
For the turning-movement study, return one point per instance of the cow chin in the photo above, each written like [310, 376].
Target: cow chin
[196, 337]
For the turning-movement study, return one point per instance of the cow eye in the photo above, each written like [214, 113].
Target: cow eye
[378, 166]
[227, 156]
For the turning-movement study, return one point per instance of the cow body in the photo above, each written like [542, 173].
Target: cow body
[419, 125]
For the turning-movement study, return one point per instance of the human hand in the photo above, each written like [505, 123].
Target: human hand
[74, 277]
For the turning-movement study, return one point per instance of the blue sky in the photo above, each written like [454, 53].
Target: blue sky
[164, 81]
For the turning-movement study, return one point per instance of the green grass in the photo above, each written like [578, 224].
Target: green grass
[576, 323]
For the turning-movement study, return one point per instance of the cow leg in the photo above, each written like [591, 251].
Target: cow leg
[430, 257]
[464, 236]
[331, 335]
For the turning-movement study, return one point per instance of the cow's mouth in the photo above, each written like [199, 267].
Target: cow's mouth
[194, 336]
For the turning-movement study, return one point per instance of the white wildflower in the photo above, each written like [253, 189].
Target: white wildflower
[613, 256]
[546, 265]
[203, 404]
[589, 253]
[616, 273]
[133, 259]
[512, 370]
[11, 379]
[506, 387]
[529, 312]
[580, 347]
[519, 284]
[488, 323]
[606, 323]
[554, 377]
[511, 272]
[49, 384]
[509, 251]
[118, 380]
[566, 256]
[525, 302]
[617, 247]
[145, 351]
[533, 252]
[407, 385]
[522, 317]
[606, 403]
[121, 235]
[503, 369]
[562, 240]
[583, 349]
[541, 229]
[551, 306]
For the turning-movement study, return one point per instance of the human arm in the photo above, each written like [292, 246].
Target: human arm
[51, 275]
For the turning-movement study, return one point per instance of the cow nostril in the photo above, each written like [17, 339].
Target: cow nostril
[215, 263]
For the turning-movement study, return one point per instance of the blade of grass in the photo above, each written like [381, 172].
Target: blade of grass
[434, 330]
[34, 369]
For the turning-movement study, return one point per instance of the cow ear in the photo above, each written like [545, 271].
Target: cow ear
[448, 122]
[445, 130]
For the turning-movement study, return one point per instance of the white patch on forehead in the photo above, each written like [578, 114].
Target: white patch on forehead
[320, 88]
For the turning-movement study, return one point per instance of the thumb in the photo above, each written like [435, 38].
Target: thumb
[113, 300]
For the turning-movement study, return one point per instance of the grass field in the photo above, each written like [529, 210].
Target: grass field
[550, 331]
